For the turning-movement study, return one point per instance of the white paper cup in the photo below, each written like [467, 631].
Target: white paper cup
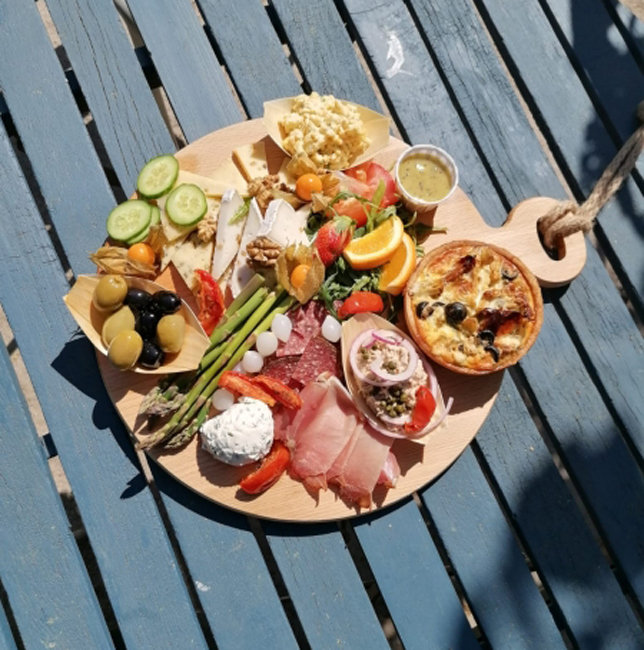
[413, 202]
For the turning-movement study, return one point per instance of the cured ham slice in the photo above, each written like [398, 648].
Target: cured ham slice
[390, 471]
[357, 469]
[320, 431]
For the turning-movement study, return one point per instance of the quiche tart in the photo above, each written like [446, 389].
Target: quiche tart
[473, 307]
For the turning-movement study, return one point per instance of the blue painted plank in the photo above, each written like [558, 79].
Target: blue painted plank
[630, 25]
[113, 84]
[610, 338]
[42, 571]
[323, 50]
[567, 558]
[325, 587]
[415, 585]
[575, 130]
[51, 128]
[228, 571]
[6, 637]
[487, 560]
[187, 65]
[138, 567]
[258, 55]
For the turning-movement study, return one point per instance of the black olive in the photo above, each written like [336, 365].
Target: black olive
[151, 356]
[456, 312]
[147, 324]
[487, 336]
[493, 351]
[166, 302]
[423, 309]
[137, 298]
[509, 275]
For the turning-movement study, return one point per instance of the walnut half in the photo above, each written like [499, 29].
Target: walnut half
[263, 252]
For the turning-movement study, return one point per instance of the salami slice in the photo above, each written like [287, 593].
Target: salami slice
[307, 323]
[320, 356]
[281, 368]
[295, 345]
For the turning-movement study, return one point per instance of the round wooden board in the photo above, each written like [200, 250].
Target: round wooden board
[420, 461]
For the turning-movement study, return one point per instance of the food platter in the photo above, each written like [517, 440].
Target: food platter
[421, 461]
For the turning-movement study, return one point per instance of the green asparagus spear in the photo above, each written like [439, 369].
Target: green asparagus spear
[185, 436]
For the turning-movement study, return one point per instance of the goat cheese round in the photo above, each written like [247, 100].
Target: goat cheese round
[240, 435]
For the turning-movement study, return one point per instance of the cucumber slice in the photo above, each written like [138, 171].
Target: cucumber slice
[154, 221]
[129, 220]
[186, 205]
[158, 176]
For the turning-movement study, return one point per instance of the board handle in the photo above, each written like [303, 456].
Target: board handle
[520, 235]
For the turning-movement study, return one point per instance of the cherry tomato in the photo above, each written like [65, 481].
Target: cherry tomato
[359, 302]
[142, 253]
[269, 471]
[298, 275]
[211, 301]
[353, 209]
[308, 184]
[423, 410]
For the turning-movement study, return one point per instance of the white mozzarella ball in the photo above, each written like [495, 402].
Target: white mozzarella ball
[222, 399]
[281, 327]
[252, 361]
[331, 329]
[266, 343]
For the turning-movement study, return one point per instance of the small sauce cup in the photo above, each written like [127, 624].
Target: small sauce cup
[416, 203]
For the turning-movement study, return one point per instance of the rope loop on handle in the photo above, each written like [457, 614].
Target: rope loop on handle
[566, 217]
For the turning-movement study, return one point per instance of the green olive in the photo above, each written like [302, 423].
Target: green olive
[125, 349]
[120, 320]
[171, 331]
[110, 292]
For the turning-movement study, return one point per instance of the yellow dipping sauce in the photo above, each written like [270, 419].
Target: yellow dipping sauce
[424, 177]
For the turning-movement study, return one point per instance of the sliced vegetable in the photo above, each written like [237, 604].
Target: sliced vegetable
[129, 219]
[186, 205]
[155, 219]
[241, 385]
[273, 466]
[158, 176]
[280, 391]
[359, 302]
[364, 340]
[423, 411]
[377, 366]
[141, 253]
[211, 301]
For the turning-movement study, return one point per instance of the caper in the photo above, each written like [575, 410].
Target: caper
[171, 331]
[125, 349]
[109, 293]
[400, 409]
[120, 320]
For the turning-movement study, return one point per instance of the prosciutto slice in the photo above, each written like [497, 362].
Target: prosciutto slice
[358, 467]
[390, 471]
[320, 431]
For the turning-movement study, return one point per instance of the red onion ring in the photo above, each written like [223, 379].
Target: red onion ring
[376, 366]
[353, 353]
[384, 339]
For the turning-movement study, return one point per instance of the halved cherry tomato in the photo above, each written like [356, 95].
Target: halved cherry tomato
[359, 302]
[211, 301]
[371, 173]
[308, 184]
[423, 410]
[353, 209]
[272, 467]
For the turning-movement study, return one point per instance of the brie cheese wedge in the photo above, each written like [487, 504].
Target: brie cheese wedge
[242, 272]
[228, 235]
[284, 225]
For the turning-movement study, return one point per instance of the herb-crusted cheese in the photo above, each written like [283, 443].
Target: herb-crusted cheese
[240, 435]
[193, 254]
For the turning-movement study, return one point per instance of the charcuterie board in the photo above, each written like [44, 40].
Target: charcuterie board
[421, 461]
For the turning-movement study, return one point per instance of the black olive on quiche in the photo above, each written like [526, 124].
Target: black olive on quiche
[492, 307]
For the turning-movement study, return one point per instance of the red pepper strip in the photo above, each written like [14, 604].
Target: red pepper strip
[359, 302]
[211, 301]
[280, 391]
[272, 467]
[423, 410]
[241, 385]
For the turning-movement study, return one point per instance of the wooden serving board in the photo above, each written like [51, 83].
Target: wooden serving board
[421, 461]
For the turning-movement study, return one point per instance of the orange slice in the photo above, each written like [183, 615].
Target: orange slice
[377, 247]
[399, 268]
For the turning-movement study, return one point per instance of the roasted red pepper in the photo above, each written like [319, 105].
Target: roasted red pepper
[272, 467]
[211, 301]
[280, 391]
[359, 302]
[423, 411]
[241, 385]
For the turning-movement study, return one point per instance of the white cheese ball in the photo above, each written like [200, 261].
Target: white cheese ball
[252, 361]
[222, 399]
[240, 435]
[266, 344]
[331, 329]
[282, 327]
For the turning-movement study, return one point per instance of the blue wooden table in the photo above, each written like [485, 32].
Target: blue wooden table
[533, 539]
